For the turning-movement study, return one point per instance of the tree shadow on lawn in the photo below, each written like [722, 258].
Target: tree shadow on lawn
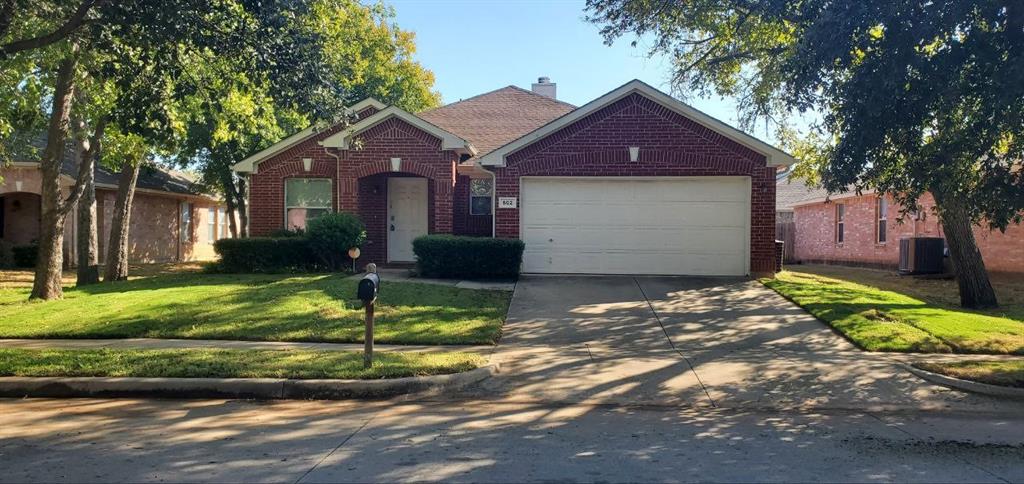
[317, 308]
[897, 322]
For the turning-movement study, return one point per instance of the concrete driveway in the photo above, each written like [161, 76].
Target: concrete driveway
[712, 342]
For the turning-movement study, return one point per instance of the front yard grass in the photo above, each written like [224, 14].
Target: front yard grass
[319, 307]
[1003, 373]
[888, 318]
[206, 363]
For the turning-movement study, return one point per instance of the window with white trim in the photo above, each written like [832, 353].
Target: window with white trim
[881, 209]
[304, 200]
[211, 225]
[481, 192]
[840, 223]
[186, 222]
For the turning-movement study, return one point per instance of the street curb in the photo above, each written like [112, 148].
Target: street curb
[254, 388]
[966, 385]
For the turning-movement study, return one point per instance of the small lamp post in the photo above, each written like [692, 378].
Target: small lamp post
[353, 254]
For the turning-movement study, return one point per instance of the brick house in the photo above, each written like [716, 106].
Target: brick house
[172, 219]
[632, 182]
[866, 229]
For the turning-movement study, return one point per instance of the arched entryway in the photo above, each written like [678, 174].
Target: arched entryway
[396, 208]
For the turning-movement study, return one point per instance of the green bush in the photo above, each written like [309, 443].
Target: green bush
[297, 232]
[460, 257]
[265, 254]
[332, 235]
[25, 255]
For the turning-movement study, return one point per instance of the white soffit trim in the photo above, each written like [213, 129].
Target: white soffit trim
[248, 165]
[449, 141]
[773, 155]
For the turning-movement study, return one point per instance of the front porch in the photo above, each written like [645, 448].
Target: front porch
[396, 208]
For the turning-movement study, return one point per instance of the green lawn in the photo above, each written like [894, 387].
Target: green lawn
[891, 320]
[257, 307]
[1004, 373]
[204, 363]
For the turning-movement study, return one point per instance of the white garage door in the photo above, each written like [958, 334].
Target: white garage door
[667, 225]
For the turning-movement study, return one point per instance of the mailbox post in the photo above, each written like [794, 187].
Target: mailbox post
[367, 290]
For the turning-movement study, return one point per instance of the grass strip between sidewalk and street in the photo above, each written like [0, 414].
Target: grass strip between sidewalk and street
[1002, 373]
[223, 363]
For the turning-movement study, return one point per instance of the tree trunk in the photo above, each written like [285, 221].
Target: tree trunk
[88, 240]
[228, 183]
[243, 217]
[117, 252]
[47, 283]
[975, 289]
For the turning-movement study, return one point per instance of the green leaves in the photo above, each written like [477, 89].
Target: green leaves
[916, 96]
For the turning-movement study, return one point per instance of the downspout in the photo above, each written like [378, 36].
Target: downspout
[337, 176]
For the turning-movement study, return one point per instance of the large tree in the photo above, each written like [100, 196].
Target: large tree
[915, 96]
[143, 48]
[365, 55]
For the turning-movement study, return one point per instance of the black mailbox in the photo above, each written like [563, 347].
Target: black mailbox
[368, 287]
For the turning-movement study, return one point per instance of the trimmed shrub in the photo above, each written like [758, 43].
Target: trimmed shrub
[265, 254]
[332, 235]
[297, 232]
[461, 257]
[25, 255]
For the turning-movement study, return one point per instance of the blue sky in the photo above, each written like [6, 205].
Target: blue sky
[477, 46]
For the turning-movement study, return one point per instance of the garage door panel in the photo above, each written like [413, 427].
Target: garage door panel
[667, 240]
[626, 226]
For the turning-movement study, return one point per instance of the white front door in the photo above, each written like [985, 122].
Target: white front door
[407, 216]
[669, 225]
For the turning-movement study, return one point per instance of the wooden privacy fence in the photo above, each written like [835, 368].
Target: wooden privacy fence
[786, 232]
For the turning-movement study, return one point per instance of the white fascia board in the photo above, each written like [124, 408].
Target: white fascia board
[366, 103]
[248, 165]
[449, 141]
[773, 155]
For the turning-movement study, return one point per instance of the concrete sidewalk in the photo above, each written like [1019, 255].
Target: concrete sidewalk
[390, 274]
[152, 343]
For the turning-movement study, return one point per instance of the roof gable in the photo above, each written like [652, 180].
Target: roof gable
[248, 165]
[495, 118]
[449, 141]
[773, 155]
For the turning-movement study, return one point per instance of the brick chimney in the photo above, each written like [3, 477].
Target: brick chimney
[545, 87]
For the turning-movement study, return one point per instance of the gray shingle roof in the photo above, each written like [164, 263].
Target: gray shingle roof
[791, 191]
[151, 177]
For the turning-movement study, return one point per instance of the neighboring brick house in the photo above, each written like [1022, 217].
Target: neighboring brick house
[632, 182]
[866, 229]
[172, 220]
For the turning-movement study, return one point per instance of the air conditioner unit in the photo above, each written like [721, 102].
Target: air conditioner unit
[922, 255]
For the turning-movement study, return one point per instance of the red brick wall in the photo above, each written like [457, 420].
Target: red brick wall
[463, 223]
[670, 145]
[360, 170]
[815, 235]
